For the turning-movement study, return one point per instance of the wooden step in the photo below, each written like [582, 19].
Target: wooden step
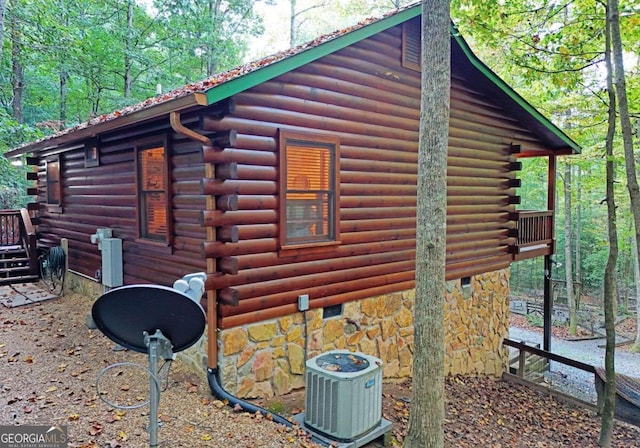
[19, 279]
[15, 266]
[7, 264]
[13, 269]
[8, 255]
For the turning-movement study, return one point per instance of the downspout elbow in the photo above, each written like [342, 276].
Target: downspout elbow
[177, 126]
[218, 391]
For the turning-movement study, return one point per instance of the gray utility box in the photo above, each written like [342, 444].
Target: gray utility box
[343, 398]
[112, 262]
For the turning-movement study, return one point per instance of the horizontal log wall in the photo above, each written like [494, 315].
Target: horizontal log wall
[105, 196]
[362, 95]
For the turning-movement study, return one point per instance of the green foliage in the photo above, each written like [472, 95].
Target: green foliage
[93, 48]
[552, 54]
[13, 184]
[535, 320]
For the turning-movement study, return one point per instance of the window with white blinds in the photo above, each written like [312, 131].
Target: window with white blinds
[152, 193]
[308, 188]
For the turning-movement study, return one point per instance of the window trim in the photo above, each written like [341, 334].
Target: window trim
[285, 137]
[139, 146]
[53, 185]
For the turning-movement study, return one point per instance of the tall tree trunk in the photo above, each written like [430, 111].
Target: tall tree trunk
[3, 9]
[625, 121]
[292, 23]
[635, 348]
[128, 50]
[64, 77]
[578, 237]
[608, 401]
[214, 14]
[426, 418]
[568, 256]
[17, 71]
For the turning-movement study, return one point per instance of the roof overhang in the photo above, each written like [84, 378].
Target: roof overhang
[250, 75]
[90, 129]
[558, 142]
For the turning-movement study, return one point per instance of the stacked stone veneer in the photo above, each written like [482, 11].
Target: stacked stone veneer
[268, 358]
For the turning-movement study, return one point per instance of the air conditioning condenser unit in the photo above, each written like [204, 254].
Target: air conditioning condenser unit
[343, 397]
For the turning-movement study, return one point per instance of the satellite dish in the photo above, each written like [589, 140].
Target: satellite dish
[127, 313]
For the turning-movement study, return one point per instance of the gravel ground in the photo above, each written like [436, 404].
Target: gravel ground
[49, 364]
[572, 381]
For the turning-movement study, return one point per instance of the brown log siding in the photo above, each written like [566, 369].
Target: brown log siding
[362, 95]
[105, 196]
[225, 197]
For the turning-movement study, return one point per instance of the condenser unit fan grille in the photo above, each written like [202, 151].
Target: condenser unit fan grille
[343, 394]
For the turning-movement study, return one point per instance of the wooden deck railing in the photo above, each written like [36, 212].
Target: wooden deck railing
[29, 240]
[535, 227]
[524, 348]
[16, 229]
[10, 228]
[534, 234]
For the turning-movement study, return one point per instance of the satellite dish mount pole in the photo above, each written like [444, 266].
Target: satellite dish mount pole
[158, 347]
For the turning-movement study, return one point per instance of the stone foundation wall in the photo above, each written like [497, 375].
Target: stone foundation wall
[83, 285]
[268, 358]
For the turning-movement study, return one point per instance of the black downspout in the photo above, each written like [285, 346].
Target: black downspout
[218, 391]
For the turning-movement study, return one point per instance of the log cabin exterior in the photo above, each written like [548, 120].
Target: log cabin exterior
[295, 176]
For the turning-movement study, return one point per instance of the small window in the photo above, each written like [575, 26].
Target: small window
[153, 201]
[54, 185]
[332, 311]
[91, 154]
[308, 189]
[412, 45]
[467, 291]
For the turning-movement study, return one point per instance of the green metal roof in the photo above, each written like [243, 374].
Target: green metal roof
[314, 52]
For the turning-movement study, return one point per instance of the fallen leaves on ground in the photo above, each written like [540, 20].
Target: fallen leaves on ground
[49, 363]
[483, 412]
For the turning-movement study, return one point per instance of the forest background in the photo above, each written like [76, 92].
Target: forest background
[63, 62]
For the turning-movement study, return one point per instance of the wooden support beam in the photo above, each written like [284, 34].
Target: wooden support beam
[228, 265]
[515, 166]
[514, 183]
[229, 296]
[228, 234]
[514, 200]
[227, 202]
[225, 139]
[227, 171]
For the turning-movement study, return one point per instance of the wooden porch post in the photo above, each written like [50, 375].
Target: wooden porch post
[548, 264]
